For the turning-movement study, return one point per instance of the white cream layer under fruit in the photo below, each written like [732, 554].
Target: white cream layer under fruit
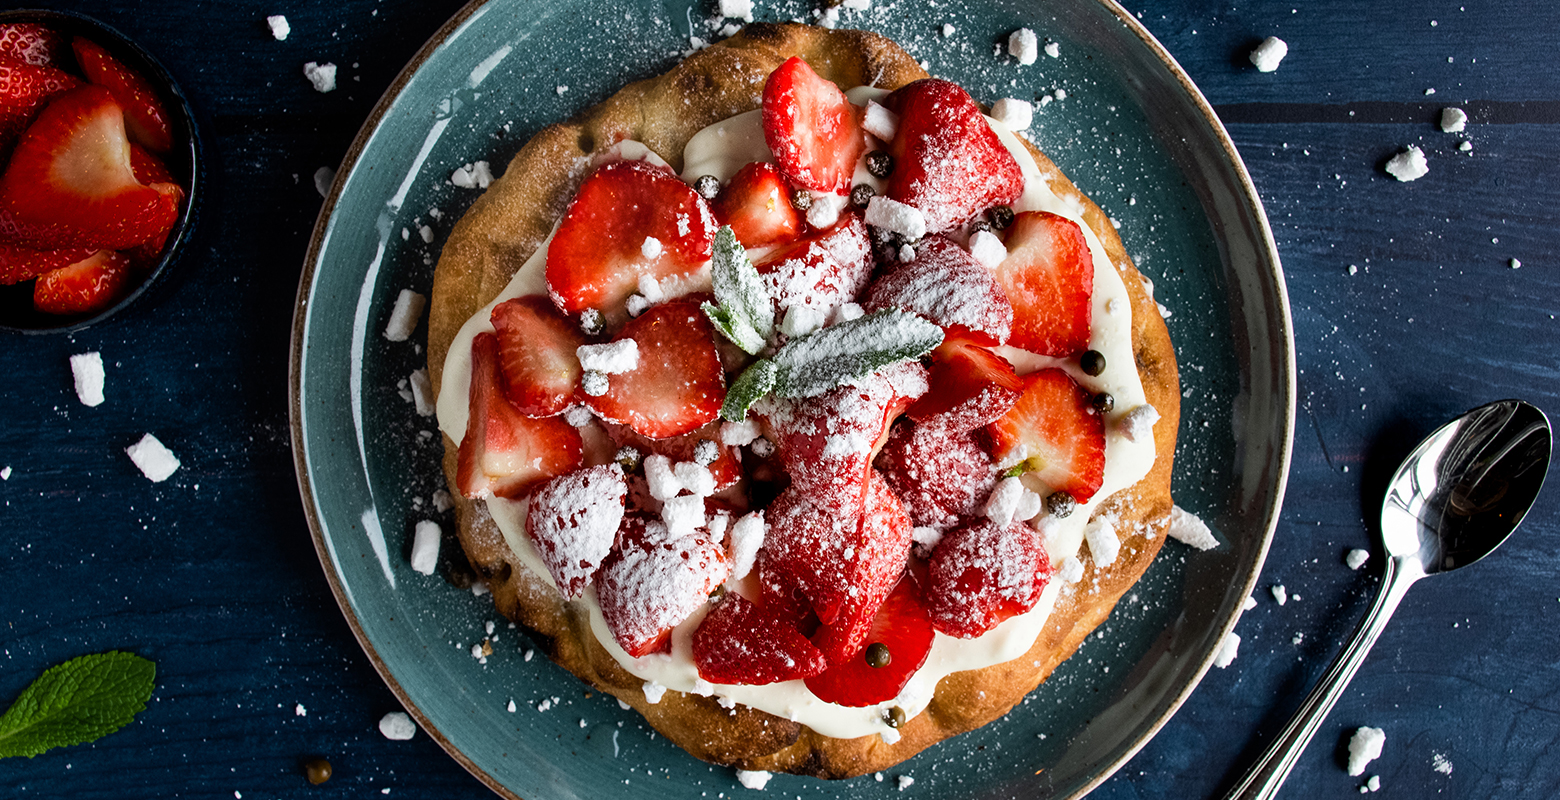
[720, 150]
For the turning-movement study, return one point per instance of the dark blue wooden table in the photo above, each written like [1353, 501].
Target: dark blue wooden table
[1407, 310]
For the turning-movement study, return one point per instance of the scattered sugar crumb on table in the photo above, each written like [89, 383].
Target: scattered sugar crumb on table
[87, 369]
[279, 27]
[1364, 747]
[1228, 649]
[405, 315]
[1024, 46]
[753, 779]
[1408, 165]
[1280, 593]
[476, 175]
[397, 726]
[154, 460]
[322, 76]
[425, 547]
[1356, 558]
[1453, 120]
[1267, 55]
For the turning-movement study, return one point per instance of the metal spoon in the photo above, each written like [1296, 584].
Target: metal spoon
[1452, 502]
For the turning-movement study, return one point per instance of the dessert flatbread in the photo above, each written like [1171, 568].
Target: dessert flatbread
[504, 227]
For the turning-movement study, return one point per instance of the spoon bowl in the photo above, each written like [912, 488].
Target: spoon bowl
[1459, 495]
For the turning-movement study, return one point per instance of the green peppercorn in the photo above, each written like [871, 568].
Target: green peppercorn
[878, 655]
[880, 164]
[895, 717]
[1092, 362]
[1103, 402]
[317, 771]
[628, 458]
[708, 186]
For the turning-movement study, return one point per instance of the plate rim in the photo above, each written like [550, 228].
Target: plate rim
[1251, 206]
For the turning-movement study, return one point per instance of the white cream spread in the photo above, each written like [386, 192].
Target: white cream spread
[720, 150]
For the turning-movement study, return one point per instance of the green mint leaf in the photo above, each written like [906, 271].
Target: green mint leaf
[754, 382]
[749, 312]
[839, 354]
[79, 701]
[1016, 470]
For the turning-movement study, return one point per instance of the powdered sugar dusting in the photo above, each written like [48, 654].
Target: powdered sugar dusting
[573, 520]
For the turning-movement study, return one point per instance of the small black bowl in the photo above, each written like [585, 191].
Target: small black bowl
[184, 161]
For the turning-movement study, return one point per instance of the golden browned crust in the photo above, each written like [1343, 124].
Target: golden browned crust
[506, 225]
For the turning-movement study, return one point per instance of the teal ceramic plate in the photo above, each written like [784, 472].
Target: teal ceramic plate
[1132, 132]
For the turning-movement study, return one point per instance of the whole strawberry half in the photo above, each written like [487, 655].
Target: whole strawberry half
[30, 43]
[146, 119]
[85, 287]
[573, 519]
[756, 203]
[983, 573]
[70, 182]
[947, 286]
[652, 581]
[1048, 276]
[970, 385]
[903, 627]
[536, 348]
[873, 563]
[823, 270]
[813, 130]
[742, 642]
[948, 162]
[19, 264]
[679, 385]
[1055, 432]
[506, 453]
[24, 88]
[599, 252]
[937, 473]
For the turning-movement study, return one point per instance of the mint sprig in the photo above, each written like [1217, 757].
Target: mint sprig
[79, 701]
[754, 382]
[745, 313]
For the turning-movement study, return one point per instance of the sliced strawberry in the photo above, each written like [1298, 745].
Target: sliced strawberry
[827, 442]
[504, 452]
[24, 89]
[741, 642]
[901, 625]
[822, 271]
[679, 385]
[598, 253]
[937, 473]
[947, 161]
[85, 287]
[146, 120]
[813, 130]
[573, 520]
[70, 183]
[971, 386]
[19, 264]
[983, 573]
[31, 43]
[873, 563]
[726, 468]
[651, 582]
[1049, 278]
[1056, 433]
[757, 205]
[148, 169]
[840, 562]
[536, 346]
[945, 285]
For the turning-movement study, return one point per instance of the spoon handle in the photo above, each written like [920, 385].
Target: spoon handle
[1266, 776]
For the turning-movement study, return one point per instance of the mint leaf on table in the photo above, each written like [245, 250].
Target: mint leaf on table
[839, 354]
[745, 314]
[79, 701]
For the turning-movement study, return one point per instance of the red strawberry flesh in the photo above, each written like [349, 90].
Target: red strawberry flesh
[757, 205]
[970, 385]
[947, 286]
[651, 583]
[30, 43]
[19, 264]
[573, 520]
[70, 182]
[813, 130]
[598, 253]
[536, 347]
[24, 89]
[901, 624]
[937, 473]
[1056, 433]
[146, 120]
[1048, 276]
[679, 385]
[983, 573]
[822, 271]
[948, 162]
[504, 452]
[85, 287]
[742, 642]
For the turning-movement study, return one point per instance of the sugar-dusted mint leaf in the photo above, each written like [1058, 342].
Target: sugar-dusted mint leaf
[754, 382]
[746, 314]
[849, 351]
[79, 701]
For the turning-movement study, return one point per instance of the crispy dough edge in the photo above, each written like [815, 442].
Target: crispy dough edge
[508, 222]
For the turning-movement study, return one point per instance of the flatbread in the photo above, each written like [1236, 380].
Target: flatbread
[503, 229]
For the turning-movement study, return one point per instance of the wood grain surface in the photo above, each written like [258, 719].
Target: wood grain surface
[213, 576]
